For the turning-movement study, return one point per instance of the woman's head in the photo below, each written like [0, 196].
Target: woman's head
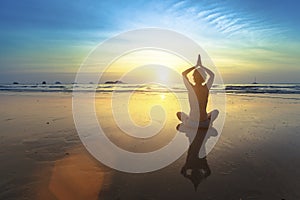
[199, 76]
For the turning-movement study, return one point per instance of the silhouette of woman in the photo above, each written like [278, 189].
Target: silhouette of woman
[198, 96]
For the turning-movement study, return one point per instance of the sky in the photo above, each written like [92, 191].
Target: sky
[48, 40]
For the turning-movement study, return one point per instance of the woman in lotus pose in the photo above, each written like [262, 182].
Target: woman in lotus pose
[198, 96]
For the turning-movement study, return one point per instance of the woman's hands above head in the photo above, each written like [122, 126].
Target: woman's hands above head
[199, 62]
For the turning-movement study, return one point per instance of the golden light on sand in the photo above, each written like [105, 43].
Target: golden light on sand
[77, 176]
[142, 109]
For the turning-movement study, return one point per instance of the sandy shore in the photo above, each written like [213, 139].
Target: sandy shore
[257, 156]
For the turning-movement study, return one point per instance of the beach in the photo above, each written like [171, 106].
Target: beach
[149, 100]
[42, 157]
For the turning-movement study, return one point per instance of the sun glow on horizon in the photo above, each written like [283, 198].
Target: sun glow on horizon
[148, 65]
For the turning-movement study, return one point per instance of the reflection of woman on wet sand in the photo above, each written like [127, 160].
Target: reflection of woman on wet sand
[196, 169]
[198, 96]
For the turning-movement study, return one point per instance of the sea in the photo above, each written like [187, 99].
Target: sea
[267, 88]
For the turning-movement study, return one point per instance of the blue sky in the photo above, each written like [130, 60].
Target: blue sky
[48, 40]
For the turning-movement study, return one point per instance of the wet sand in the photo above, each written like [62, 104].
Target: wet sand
[256, 157]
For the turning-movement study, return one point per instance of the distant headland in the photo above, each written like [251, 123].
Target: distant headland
[114, 82]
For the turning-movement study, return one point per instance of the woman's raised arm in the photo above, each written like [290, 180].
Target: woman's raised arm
[186, 81]
[211, 78]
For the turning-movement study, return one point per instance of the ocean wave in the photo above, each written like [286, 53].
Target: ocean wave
[264, 89]
[177, 88]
